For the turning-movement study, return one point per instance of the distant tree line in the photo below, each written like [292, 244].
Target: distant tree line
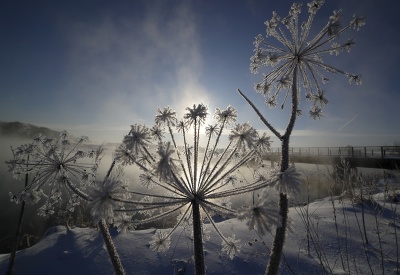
[25, 130]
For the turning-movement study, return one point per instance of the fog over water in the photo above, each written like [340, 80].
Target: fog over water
[9, 211]
[35, 225]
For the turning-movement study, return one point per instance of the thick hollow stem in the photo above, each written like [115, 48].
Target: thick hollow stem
[105, 233]
[112, 251]
[198, 240]
[280, 233]
[279, 240]
[293, 115]
[285, 154]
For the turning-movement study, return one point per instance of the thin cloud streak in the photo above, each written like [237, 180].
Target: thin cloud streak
[348, 122]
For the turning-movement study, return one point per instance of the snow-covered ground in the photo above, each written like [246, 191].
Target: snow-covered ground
[334, 246]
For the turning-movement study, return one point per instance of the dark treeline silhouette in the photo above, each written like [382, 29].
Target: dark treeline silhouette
[26, 131]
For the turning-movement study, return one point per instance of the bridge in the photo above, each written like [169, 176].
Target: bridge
[385, 157]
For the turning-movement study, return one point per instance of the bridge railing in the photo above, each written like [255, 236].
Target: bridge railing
[348, 151]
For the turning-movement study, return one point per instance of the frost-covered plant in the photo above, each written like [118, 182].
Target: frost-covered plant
[231, 246]
[297, 64]
[193, 179]
[160, 241]
[263, 215]
[60, 169]
[56, 168]
[51, 169]
[102, 205]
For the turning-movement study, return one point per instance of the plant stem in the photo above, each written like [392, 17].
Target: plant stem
[17, 237]
[308, 218]
[279, 240]
[280, 233]
[198, 239]
[105, 233]
[269, 126]
[361, 233]
[362, 213]
[18, 232]
[112, 251]
[378, 233]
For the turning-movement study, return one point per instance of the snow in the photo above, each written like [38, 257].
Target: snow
[81, 250]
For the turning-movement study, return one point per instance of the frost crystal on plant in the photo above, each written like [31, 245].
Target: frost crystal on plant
[160, 241]
[288, 182]
[194, 179]
[123, 223]
[297, 52]
[54, 167]
[231, 246]
[263, 215]
[103, 198]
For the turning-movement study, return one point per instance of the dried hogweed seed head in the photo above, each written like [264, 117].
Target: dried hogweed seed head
[165, 116]
[160, 241]
[103, 198]
[196, 114]
[231, 246]
[245, 135]
[190, 173]
[138, 138]
[58, 163]
[226, 116]
[301, 54]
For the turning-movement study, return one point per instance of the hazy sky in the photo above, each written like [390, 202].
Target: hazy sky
[96, 67]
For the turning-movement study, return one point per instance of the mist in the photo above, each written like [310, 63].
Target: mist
[9, 211]
[34, 226]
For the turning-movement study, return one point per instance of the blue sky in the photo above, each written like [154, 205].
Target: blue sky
[96, 67]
